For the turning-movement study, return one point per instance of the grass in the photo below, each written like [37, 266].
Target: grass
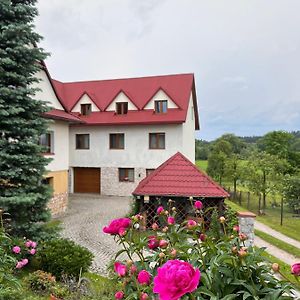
[202, 164]
[278, 243]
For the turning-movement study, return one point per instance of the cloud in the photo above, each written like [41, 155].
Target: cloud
[245, 54]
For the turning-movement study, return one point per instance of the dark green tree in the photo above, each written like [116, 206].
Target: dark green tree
[291, 193]
[22, 166]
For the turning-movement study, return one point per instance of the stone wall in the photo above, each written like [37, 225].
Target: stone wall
[58, 204]
[111, 186]
[246, 223]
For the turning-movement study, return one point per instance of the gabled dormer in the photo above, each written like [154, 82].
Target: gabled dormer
[85, 105]
[160, 102]
[121, 104]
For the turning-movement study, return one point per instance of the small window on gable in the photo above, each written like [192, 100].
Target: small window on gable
[86, 109]
[121, 108]
[161, 106]
[47, 141]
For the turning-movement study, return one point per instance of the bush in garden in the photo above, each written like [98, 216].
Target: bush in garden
[63, 256]
[183, 261]
[41, 282]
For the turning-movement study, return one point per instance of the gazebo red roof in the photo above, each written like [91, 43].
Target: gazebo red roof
[179, 177]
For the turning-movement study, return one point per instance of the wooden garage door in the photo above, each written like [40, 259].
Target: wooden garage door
[87, 180]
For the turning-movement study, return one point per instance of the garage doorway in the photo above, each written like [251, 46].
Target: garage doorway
[87, 180]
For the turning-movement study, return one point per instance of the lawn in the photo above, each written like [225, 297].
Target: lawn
[202, 164]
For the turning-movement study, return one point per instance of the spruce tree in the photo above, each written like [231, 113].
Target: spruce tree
[22, 166]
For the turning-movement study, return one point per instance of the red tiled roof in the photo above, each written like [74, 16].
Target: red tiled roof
[179, 177]
[61, 115]
[139, 90]
[142, 117]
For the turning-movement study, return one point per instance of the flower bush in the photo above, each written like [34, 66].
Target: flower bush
[187, 261]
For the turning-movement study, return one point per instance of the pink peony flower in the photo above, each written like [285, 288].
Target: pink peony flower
[171, 220]
[174, 279]
[16, 249]
[198, 205]
[19, 265]
[122, 231]
[120, 269]
[32, 251]
[153, 242]
[133, 269]
[119, 295]
[144, 277]
[295, 269]
[160, 209]
[28, 244]
[33, 244]
[24, 261]
[144, 296]
[117, 226]
[191, 224]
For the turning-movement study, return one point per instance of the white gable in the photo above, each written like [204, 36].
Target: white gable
[85, 99]
[121, 98]
[46, 92]
[160, 95]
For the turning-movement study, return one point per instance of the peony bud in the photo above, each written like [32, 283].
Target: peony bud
[191, 224]
[173, 252]
[174, 208]
[222, 220]
[234, 249]
[133, 269]
[160, 210]
[202, 237]
[155, 226]
[144, 277]
[236, 228]
[32, 251]
[16, 249]
[171, 220]
[119, 295]
[144, 296]
[243, 236]
[165, 229]
[161, 255]
[163, 244]
[198, 205]
[242, 253]
[275, 267]
[295, 269]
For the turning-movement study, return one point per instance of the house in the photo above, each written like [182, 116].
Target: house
[177, 183]
[109, 134]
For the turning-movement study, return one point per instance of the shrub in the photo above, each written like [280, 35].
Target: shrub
[170, 260]
[40, 282]
[63, 256]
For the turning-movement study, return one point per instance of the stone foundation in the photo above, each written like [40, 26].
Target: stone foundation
[111, 186]
[58, 204]
[246, 223]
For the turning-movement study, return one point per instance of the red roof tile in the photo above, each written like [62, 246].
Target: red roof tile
[61, 115]
[139, 90]
[179, 177]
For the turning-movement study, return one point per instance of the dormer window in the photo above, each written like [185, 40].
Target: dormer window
[86, 109]
[161, 106]
[121, 108]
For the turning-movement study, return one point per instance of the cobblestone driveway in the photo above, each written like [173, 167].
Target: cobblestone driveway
[84, 220]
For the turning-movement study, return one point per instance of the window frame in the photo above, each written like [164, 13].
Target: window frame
[50, 144]
[83, 109]
[123, 179]
[76, 141]
[158, 106]
[149, 171]
[117, 141]
[121, 108]
[157, 134]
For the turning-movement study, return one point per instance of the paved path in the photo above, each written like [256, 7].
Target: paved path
[276, 234]
[84, 220]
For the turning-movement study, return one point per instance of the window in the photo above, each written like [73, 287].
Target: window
[157, 140]
[161, 106]
[86, 109]
[48, 181]
[47, 141]
[116, 141]
[126, 174]
[121, 108]
[82, 141]
[149, 171]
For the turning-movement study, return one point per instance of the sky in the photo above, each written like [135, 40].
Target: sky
[245, 54]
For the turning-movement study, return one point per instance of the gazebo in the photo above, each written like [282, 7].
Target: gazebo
[177, 183]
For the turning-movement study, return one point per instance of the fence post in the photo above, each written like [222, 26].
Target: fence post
[240, 198]
[248, 200]
[259, 204]
[281, 212]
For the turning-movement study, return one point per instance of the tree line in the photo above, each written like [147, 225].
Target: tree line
[265, 165]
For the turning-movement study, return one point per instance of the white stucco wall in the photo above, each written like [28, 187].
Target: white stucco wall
[188, 132]
[46, 92]
[136, 152]
[61, 146]
[160, 95]
[85, 99]
[121, 98]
